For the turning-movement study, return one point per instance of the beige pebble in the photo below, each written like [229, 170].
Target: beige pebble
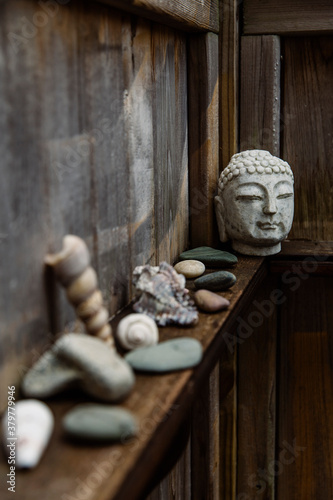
[210, 301]
[190, 268]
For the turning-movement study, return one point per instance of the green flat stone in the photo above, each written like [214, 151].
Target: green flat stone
[95, 422]
[176, 354]
[210, 257]
[216, 282]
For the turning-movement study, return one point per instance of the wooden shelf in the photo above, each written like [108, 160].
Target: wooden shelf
[161, 403]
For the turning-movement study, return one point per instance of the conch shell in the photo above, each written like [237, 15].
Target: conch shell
[137, 330]
[34, 424]
[73, 270]
[163, 296]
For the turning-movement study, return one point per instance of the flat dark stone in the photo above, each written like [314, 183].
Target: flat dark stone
[216, 282]
[211, 257]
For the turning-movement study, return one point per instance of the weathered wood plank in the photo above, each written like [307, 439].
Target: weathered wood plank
[260, 94]
[256, 396]
[170, 143]
[229, 99]
[160, 403]
[304, 466]
[228, 422]
[307, 139]
[205, 448]
[203, 137]
[82, 88]
[190, 15]
[281, 17]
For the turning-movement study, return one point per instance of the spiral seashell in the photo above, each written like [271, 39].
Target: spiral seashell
[73, 259]
[72, 268]
[137, 330]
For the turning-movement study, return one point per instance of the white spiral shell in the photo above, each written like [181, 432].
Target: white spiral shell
[137, 330]
[72, 268]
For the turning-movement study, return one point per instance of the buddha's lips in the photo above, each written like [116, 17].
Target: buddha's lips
[268, 225]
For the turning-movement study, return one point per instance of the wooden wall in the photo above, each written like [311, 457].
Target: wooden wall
[93, 141]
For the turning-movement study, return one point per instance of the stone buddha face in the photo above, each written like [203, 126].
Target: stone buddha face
[255, 202]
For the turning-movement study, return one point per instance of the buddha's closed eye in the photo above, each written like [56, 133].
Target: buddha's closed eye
[284, 196]
[249, 197]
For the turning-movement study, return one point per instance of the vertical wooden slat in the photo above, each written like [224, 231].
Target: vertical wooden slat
[229, 60]
[305, 453]
[307, 138]
[205, 439]
[260, 93]
[256, 396]
[203, 91]
[170, 143]
[228, 423]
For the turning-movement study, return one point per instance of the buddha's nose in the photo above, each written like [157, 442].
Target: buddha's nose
[270, 206]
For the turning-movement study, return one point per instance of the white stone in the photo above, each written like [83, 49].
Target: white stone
[190, 268]
[33, 424]
[255, 209]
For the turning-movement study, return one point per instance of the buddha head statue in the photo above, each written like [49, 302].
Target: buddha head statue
[255, 202]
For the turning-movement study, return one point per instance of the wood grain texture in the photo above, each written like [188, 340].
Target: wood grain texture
[190, 15]
[229, 86]
[256, 422]
[205, 443]
[281, 17]
[307, 139]
[260, 94]
[90, 101]
[228, 423]
[159, 402]
[305, 417]
[203, 137]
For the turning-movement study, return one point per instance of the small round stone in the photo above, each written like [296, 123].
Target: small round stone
[230, 176]
[276, 169]
[240, 164]
[242, 170]
[268, 170]
[264, 163]
[253, 153]
[236, 172]
[282, 168]
[96, 422]
[272, 162]
[190, 268]
[251, 169]
[260, 170]
[210, 301]
[247, 163]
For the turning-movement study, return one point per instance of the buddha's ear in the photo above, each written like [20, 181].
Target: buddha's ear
[219, 209]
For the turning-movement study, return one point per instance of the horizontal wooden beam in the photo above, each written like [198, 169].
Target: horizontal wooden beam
[188, 15]
[160, 404]
[282, 17]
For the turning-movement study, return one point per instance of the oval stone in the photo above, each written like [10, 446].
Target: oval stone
[190, 268]
[176, 354]
[96, 422]
[209, 301]
[211, 257]
[217, 282]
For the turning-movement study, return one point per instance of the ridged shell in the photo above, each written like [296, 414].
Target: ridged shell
[73, 259]
[162, 295]
[80, 289]
[137, 330]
